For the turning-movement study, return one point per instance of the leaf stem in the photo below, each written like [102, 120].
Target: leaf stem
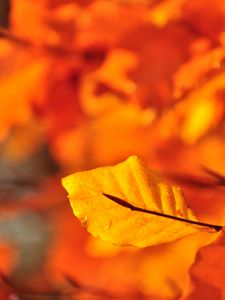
[123, 203]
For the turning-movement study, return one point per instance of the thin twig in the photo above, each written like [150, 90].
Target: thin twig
[196, 181]
[219, 177]
[123, 203]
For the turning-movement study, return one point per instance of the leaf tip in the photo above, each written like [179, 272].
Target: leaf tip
[67, 184]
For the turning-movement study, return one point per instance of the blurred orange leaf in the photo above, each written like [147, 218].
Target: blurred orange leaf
[206, 17]
[144, 188]
[207, 272]
[15, 104]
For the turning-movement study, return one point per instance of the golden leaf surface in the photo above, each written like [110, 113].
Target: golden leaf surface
[139, 186]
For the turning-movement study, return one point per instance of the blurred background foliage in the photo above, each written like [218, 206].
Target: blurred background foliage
[85, 84]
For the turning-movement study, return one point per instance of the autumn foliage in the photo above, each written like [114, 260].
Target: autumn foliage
[127, 96]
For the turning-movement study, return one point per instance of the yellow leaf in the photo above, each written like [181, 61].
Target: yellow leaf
[139, 186]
